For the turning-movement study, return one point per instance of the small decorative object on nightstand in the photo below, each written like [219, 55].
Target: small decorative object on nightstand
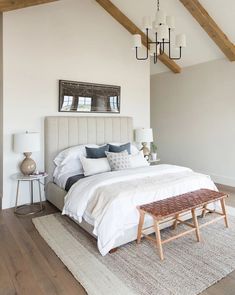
[144, 136]
[153, 151]
[30, 208]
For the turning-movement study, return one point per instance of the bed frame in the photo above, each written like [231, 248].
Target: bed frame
[64, 132]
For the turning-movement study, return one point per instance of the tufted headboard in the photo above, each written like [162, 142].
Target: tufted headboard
[64, 132]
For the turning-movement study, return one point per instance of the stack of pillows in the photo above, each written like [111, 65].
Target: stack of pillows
[94, 159]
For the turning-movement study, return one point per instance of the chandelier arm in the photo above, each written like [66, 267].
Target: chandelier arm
[163, 46]
[136, 55]
[147, 36]
[155, 58]
[177, 58]
[147, 48]
[160, 48]
[156, 44]
[170, 57]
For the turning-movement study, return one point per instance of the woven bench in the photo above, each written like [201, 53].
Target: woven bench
[172, 208]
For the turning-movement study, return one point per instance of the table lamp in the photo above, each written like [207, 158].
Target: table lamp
[27, 143]
[144, 136]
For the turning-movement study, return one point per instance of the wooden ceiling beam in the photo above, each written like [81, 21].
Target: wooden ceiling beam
[119, 16]
[7, 5]
[210, 26]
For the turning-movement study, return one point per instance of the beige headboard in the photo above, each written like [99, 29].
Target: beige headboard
[63, 132]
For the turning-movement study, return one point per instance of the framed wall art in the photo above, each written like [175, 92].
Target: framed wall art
[85, 97]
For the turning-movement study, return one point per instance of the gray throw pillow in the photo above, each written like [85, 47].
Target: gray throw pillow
[120, 148]
[118, 161]
[96, 153]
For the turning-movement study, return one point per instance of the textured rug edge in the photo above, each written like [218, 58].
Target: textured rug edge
[57, 251]
[80, 275]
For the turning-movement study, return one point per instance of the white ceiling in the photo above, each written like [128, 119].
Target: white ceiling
[200, 48]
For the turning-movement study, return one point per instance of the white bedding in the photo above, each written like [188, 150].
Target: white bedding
[109, 200]
[61, 180]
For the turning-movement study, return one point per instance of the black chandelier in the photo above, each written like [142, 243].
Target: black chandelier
[162, 28]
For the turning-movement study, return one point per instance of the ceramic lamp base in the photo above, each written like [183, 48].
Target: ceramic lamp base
[28, 166]
[145, 149]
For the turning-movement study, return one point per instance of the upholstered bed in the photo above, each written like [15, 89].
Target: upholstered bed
[64, 132]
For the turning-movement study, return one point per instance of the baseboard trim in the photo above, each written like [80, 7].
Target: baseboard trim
[224, 180]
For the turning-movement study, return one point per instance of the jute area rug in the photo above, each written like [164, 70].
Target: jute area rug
[188, 269]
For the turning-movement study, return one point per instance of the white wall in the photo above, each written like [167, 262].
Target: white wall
[193, 116]
[72, 40]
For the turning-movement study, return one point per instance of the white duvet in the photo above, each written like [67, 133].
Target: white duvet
[109, 200]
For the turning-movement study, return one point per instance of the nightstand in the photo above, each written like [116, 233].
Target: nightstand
[154, 162]
[30, 208]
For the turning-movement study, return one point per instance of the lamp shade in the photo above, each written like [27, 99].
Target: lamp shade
[147, 22]
[162, 33]
[144, 135]
[27, 142]
[180, 40]
[170, 21]
[160, 17]
[137, 41]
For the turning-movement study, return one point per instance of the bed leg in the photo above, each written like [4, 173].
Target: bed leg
[113, 250]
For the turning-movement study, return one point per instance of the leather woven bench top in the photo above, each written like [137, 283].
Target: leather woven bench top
[181, 203]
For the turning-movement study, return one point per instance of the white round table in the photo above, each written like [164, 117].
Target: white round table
[31, 207]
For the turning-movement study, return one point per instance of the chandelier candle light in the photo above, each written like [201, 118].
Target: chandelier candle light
[162, 28]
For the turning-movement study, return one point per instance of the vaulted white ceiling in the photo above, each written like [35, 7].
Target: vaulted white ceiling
[200, 48]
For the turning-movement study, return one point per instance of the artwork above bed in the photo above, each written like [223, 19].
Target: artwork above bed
[85, 97]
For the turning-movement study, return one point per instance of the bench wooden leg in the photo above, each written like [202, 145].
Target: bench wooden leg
[195, 222]
[113, 250]
[140, 226]
[159, 239]
[204, 211]
[174, 226]
[222, 202]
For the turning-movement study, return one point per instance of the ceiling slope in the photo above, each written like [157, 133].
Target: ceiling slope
[210, 26]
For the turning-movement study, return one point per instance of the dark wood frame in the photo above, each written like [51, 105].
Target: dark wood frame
[62, 82]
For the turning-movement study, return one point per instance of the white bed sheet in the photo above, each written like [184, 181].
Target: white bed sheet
[109, 200]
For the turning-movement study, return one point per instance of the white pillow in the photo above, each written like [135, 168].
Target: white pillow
[73, 166]
[95, 166]
[138, 160]
[72, 153]
[69, 160]
[134, 149]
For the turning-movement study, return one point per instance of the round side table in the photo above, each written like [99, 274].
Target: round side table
[30, 208]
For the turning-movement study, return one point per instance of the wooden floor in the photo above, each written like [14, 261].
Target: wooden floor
[29, 266]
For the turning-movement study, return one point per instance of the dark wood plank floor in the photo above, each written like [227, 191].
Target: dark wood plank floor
[29, 266]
